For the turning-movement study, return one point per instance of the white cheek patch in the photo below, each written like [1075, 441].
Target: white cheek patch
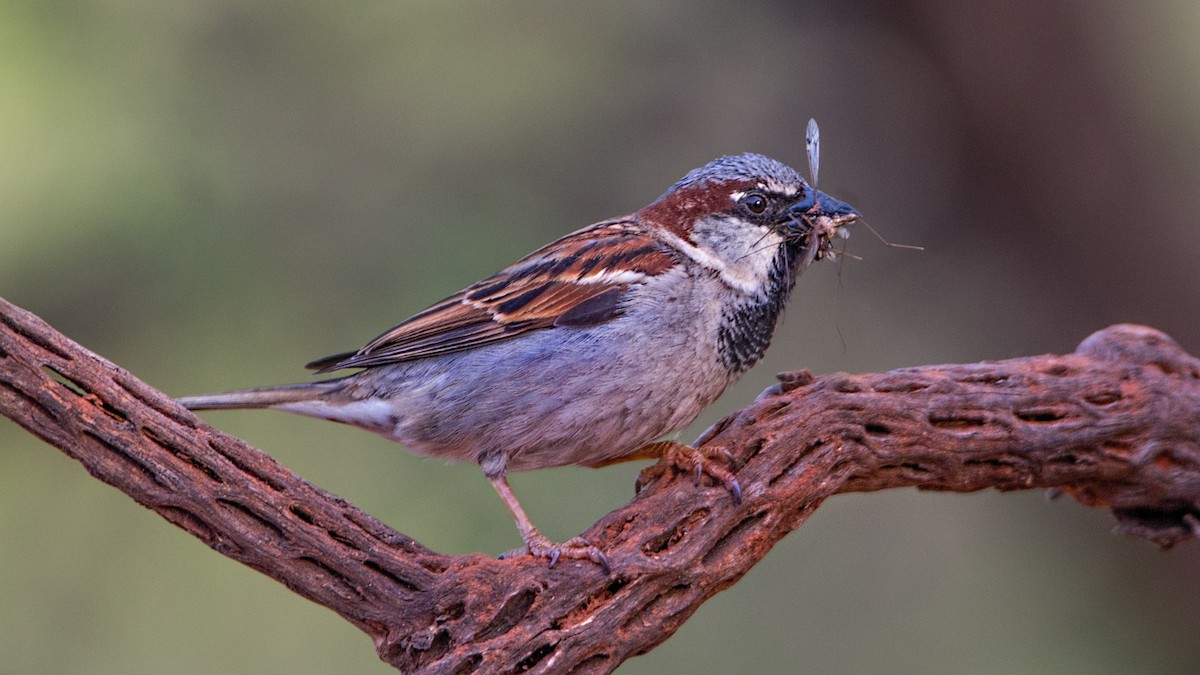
[696, 254]
[744, 264]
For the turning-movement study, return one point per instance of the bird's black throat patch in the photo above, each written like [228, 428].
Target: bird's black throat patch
[746, 328]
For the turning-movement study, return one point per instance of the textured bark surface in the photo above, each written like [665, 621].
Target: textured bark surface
[1115, 425]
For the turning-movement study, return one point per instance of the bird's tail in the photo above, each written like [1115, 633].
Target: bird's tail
[262, 397]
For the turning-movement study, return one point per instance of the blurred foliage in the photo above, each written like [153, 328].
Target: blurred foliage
[213, 193]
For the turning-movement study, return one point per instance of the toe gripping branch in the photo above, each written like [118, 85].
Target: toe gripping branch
[673, 456]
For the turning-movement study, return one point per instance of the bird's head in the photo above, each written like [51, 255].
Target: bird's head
[740, 209]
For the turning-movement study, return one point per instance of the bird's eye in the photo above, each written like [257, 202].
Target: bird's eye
[755, 202]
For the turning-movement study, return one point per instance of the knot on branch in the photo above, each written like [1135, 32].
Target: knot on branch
[1172, 444]
[1140, 345]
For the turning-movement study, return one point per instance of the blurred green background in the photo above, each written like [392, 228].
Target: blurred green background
[212, 193]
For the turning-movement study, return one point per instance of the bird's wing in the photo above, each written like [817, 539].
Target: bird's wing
[579, 280]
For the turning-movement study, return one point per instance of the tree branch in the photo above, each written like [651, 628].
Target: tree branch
[1115, 425]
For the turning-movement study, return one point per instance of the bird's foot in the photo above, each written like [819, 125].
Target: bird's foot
[674, 456]
[575, 548]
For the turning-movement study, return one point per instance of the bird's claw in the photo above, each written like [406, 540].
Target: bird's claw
[575, 548]
[677, 456]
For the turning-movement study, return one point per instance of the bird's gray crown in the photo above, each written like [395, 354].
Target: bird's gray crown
[746, 166]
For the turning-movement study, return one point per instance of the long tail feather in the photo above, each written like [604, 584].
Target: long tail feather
[261, 397]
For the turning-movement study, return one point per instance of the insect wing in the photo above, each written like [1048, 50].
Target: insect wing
[812, 144]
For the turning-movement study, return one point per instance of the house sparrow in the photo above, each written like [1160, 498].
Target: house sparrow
[591, 347]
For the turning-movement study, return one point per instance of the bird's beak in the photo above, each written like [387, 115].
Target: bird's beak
[816, 220]
[818, 204]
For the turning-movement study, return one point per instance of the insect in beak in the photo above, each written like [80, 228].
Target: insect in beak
[819, 218]
[816, 215]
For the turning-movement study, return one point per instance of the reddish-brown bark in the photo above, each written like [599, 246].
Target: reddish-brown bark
[1116, 424]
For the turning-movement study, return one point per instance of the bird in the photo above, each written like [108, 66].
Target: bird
[591, 348]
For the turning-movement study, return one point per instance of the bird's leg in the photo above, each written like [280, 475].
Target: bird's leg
[677, 456]
[536, 543]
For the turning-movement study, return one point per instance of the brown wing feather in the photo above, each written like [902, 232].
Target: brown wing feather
[599, 264]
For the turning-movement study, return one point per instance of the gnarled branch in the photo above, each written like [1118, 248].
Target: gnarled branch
[1116, 425]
